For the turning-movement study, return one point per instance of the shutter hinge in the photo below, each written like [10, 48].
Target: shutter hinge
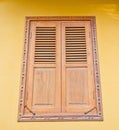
[29, 110]
[91, 110]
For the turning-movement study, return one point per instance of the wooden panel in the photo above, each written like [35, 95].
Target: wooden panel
[44, 87]
[77, 86]
[77, 91]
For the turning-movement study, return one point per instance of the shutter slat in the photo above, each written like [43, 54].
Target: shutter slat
[75, 44]
[43, 53]
[75, 54]
[45, 45]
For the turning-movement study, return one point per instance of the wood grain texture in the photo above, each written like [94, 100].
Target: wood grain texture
[77, 91]
[44, 87]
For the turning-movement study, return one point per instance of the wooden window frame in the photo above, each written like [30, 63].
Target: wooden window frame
[33, 117]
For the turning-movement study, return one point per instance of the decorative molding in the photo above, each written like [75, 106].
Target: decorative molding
[35, 117]
[96, 68]
[60, 118]
[23, 72]
[60, 18]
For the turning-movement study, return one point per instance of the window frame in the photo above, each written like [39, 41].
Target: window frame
[33, 117]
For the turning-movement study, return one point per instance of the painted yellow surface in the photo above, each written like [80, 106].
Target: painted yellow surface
[12, 22]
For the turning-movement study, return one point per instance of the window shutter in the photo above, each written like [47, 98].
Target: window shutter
[77, 73]
[43, 78]
[60, 74]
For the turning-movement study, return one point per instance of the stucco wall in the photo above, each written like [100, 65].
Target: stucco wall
[12, 22]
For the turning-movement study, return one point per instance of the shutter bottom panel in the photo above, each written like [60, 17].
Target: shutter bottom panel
[44, 90]
[79, 92]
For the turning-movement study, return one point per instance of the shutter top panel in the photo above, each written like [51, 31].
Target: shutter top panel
[75, 42]
[45, 45]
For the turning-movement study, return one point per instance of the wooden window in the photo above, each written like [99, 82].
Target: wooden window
[60, 75]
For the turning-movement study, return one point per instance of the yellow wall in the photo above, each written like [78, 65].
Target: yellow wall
[12, 19]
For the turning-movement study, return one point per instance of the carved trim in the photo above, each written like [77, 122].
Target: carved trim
[60, 18]
[60, 118]
[23, 71]
[87, 116]
[96, 68]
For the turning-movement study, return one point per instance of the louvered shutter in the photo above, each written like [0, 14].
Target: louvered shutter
[43, 75]
[60, 76]
[77, 68]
